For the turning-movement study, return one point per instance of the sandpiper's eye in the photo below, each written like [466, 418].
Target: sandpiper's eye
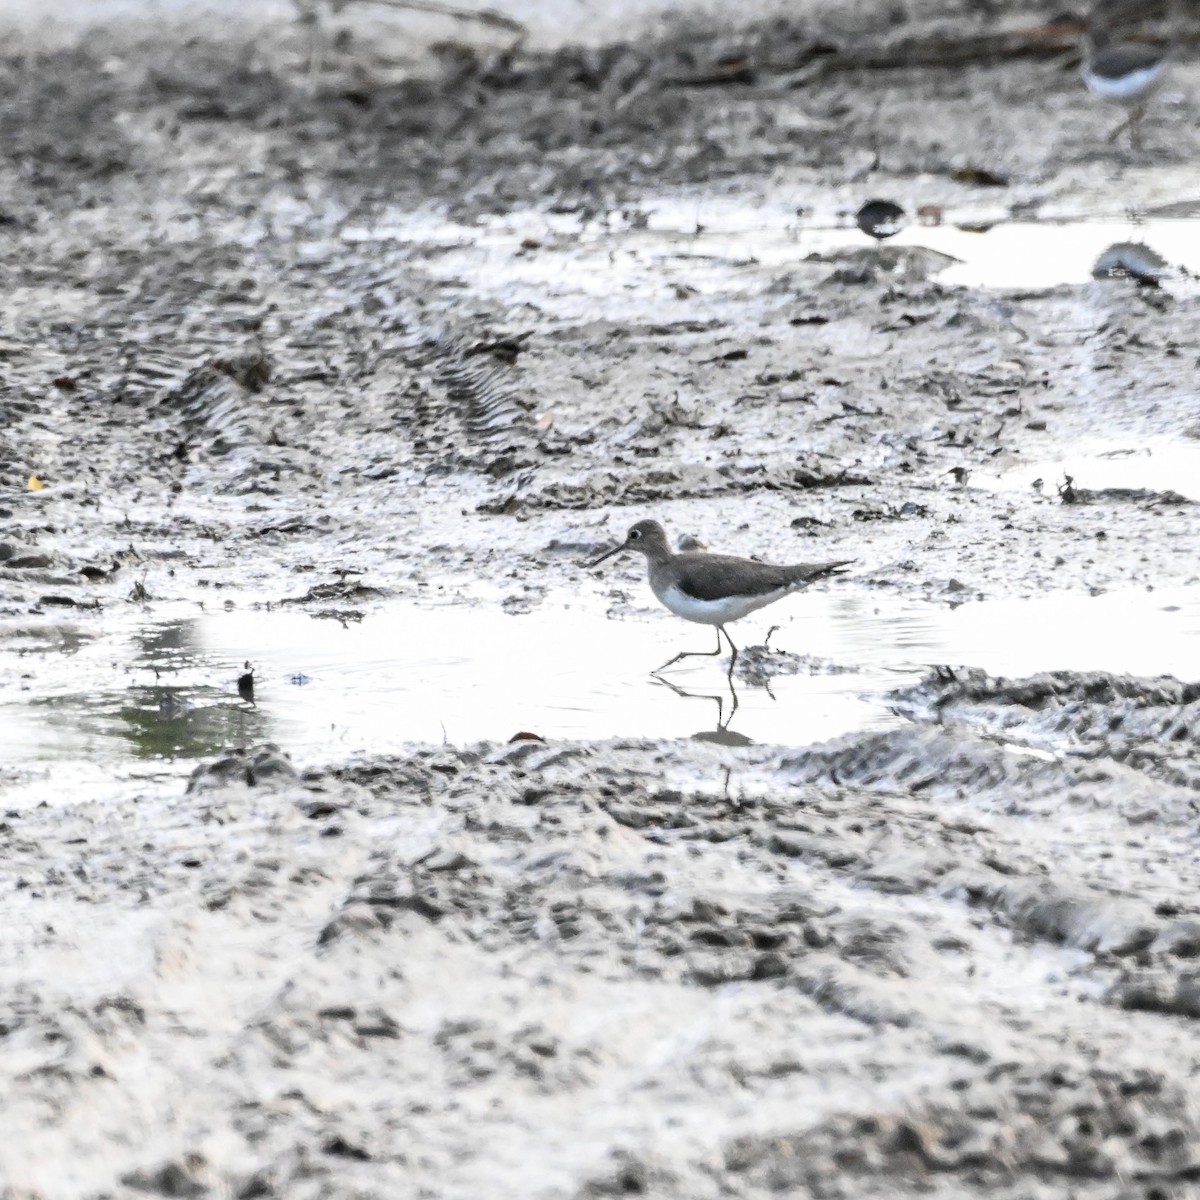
[634, 534]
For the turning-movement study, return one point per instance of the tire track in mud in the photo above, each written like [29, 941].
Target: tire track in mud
[845, 937]
[166, 434]
[147, 1020]
[873, 926]
[1149, 725]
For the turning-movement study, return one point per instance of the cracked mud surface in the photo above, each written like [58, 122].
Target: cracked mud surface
[430, 337]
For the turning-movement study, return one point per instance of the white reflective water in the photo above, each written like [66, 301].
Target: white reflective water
[717, 238]
[87, 714]
[1156, 464]
[1034, 254]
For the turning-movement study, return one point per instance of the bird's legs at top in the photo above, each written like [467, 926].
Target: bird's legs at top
[1133, 123]
[733, 653]
[705, 654]
[693, 653]
[308, 14]
[1135, 128]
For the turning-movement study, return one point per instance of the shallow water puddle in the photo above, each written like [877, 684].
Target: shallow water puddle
[1156, 464]
[1044, 254]
[711, 241]
[998, 253]
[82, 716]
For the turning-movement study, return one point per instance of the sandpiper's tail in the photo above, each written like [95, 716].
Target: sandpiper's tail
[803, 573]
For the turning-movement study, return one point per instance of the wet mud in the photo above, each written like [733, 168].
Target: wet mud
[441, 334]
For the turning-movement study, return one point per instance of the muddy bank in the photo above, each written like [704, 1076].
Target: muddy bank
[439, 334]
[923, 957]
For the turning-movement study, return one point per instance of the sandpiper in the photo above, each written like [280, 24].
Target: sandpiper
[713, 589]
[1125, 71]
[880, 219]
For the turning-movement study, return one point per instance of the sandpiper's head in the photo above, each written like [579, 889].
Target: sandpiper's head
[647, 536]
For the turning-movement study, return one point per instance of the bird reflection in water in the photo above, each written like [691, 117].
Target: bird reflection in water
[757, 666]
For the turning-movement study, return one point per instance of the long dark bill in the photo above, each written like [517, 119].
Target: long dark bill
[606, 554]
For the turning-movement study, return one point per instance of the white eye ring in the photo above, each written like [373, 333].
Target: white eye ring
[634, 534]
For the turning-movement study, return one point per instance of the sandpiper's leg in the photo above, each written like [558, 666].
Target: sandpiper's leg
[732, 648]
[733, 707]
[693, 653]
[1135, 127]
[310, 15]
[1130, 123]
[729, 674]
[733, 695]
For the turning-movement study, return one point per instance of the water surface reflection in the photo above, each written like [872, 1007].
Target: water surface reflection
[164, 693]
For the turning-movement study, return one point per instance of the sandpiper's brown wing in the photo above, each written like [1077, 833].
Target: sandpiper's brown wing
[716, 576]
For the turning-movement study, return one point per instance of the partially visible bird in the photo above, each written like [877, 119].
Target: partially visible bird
[713, 589]
[1122, 70]
[880, 219]
[310, 13]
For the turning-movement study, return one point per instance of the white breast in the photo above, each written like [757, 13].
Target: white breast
[1128, 87]
[713, 612]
